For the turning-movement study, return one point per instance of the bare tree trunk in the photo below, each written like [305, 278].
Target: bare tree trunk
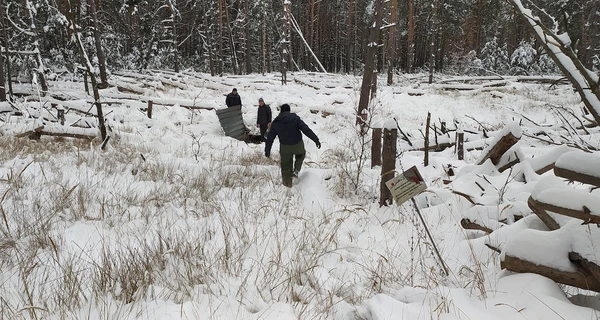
[4, 27]
[89, 69]
[263, 42]
[411, 37]
[247, 47]
[234, 60]
[367, 81]
[285, 52]
[36, 44]
[175, 42]
[392, 41]
[432, 46]
[220, 52]
[98, 43]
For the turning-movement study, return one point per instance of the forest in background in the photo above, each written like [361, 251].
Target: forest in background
[482, 37]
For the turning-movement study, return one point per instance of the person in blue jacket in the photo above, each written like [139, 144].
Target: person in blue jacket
[289, 128]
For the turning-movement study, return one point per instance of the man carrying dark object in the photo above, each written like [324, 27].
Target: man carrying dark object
[263, 119]
[289, 128]
[233, 99]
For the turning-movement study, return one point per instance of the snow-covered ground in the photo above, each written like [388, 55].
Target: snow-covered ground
[174, 220]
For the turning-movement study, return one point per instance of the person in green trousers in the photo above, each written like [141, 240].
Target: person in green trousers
[289, 128]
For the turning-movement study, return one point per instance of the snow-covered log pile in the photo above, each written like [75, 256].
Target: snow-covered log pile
[567, 253]
[558, 240]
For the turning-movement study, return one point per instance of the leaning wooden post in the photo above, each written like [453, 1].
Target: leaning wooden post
[460, 145]
[443, 127]
[426, 160]
[388, 167]
[150, 109]
[376, 148]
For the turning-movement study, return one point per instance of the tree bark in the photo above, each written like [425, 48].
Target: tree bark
[432, 44]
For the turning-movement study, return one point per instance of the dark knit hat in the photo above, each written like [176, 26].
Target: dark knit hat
[285, 107]
[261, 100]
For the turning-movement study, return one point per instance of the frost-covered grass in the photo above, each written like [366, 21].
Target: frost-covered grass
[174, 220]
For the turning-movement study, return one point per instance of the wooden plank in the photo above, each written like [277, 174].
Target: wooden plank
[580, 279]
[583, 214]
[542, 214]
[577, 176]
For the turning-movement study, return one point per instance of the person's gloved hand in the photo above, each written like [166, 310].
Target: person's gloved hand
[267, 154]
[318, 143]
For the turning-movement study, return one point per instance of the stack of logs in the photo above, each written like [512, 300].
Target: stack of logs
[587, 273]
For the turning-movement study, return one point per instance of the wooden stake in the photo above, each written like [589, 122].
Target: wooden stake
[388, 166]
[437, 252]
[426, 160]
[150, 103]
[460, 145]
[376, 148]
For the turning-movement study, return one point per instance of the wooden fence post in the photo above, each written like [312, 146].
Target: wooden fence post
[150, 109]
[460, 145]
[426, 160]
[376, 148]
[85, 81]
[443, 127]
[388, 167]
[61, 114]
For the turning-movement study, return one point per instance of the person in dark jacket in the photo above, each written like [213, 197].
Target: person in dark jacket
[233, 99]
[289, 128]
[263, 119]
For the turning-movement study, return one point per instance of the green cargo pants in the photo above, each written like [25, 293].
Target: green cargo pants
[288, 165]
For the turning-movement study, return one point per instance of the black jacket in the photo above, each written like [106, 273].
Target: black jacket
[233, 100]
[264, 114]
[289, 127]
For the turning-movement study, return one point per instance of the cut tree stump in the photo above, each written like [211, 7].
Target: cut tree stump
[496, 152]
[470, 225]
[542, 214]
[580, 279]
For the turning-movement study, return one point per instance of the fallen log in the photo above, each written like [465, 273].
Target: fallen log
[584, 214]
[572, 165]
[306, 84]
[32, 134]
[577, 176]
[502, 145]
[580, 278]
[470, 225]
[542, 214]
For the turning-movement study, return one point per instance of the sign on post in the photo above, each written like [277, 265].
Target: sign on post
[407, 185]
